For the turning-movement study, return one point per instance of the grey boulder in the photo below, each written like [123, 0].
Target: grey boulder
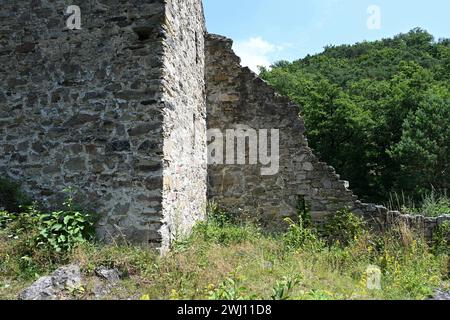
[51, 287]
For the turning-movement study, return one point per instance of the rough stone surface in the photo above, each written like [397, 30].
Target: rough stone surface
[51, 287]
[106, 279]
[441, 295]
[184, 128]
[111, 275]
[254, 104]
[115, 110]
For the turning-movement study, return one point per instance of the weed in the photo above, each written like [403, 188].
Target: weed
[342, 227]
[284, 288]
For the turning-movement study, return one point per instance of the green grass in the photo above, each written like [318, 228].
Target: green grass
[225, 259]
[433, 204]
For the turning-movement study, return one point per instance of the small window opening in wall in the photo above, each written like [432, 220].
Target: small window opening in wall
[303, 211]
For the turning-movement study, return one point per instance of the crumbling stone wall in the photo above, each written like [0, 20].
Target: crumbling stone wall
[237, 97]
[381, 219]
[99, 109]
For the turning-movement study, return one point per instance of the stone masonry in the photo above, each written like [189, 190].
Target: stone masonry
[119, 112]
[236, 96]
[115, 110]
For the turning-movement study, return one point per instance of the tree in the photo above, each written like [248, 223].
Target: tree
[424, 149]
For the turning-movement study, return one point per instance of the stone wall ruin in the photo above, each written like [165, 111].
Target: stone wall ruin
[119, 111]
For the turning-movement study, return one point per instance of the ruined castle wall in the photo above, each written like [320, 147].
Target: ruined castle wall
[236, 97]
[90, 108]
[185, 163]
[381, 220]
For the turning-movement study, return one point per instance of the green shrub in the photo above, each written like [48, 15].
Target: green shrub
[225, 235]
[59, 230]
[342, 227]
[441, 238]
[435, 205]
[284, 288]
[217, 216]
[411, 272]
[298, 236]
[64, 230]
[220, 228]
[11, 197]
[33, 242]
[232, 288]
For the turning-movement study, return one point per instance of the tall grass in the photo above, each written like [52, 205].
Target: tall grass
[224, 259]
[433, 204]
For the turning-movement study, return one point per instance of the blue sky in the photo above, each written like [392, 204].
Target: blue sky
[265, 31]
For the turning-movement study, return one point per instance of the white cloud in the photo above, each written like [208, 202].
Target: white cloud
[255, 52]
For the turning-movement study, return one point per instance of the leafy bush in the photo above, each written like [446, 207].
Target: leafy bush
[298, 236]
[441, 239]
[231, 288]
[284, 288]
[342, 227]
[221, 228]
[64, 230]
[59, 230]
[435, 205]
[34, 242]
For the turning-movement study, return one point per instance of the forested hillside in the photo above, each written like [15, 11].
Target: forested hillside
[377, 111]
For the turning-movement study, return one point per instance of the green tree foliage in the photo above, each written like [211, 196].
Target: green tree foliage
[424, 148]
[377, 111]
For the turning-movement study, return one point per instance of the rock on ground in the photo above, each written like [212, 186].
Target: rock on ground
[51, 287]
[441, 295]
[111, 275]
